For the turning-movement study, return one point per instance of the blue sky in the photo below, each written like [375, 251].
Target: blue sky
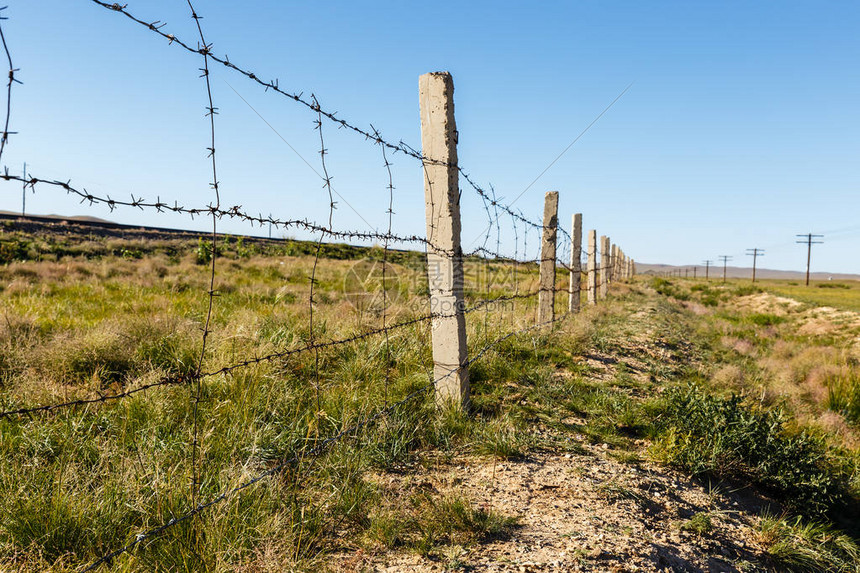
[741, 128]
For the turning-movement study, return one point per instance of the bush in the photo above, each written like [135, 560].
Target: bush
[764, 319]
[746, 290]
[728, 439]
[667, 288]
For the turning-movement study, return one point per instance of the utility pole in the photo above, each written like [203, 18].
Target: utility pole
[755, 253]
[694, 272]
[686, 273]
[809, 240]
[724, 259]
[707, 267]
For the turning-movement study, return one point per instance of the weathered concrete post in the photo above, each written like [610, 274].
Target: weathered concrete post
[613, 264]
[575, 263]
[591, 278]
[604, 266]
[444, 253]
[546, 294]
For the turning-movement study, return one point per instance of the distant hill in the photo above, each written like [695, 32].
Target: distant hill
[744, 272]
[82, 218]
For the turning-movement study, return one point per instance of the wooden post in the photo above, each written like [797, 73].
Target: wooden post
[604, 266]
[546, 294]
[591, 278]
[574, 295]
[444, 252]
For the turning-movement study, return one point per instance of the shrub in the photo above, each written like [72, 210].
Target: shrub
[726, 438]
[764, 319]
[746, 290]
[667, 288]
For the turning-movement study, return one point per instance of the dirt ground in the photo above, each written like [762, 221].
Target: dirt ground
[582, 513]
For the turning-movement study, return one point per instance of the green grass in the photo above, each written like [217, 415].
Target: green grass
[80, 482]
[86, 317]
[844, 295]
[808, 546]
[700, 524]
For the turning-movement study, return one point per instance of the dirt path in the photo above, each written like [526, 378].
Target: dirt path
[598, 510]
[580, 513]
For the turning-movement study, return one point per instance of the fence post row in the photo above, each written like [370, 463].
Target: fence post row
[444, 252]
[546, 293]
[575, 263]
[591, 268]
[604, 266]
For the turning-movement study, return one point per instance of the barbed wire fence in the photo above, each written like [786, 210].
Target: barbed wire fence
[496, 278]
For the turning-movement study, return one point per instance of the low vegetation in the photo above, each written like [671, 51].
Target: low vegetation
[725, 382]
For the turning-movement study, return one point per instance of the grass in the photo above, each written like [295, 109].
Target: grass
[808, 546]
[99, 319]
[431, 522]
[843, 295]
[89, 316]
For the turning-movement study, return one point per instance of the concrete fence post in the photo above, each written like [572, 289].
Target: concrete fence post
[604, 266]
[444, 252]
[591, 278]
[613, 264]
[546, 294]
[574, 288]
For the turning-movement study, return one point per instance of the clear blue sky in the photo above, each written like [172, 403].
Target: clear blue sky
[741, 128]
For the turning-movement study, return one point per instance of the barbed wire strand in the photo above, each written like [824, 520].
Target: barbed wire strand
[234, 212]
[327, 186]
[11, 80]
[180, 379]
[204, 49]
[390, 213]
